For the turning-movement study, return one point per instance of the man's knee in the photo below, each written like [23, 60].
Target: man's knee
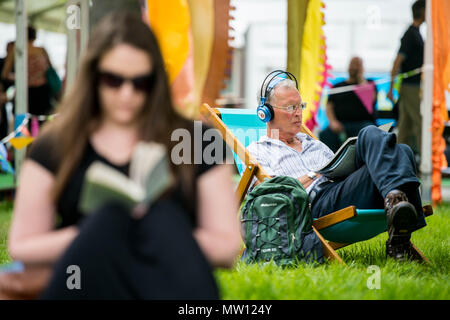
[368, 131]
[374, 134]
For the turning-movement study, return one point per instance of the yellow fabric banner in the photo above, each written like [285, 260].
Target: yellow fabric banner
[171, 23]
[313, 66]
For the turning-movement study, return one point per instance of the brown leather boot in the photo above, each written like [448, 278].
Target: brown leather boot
[401, 218]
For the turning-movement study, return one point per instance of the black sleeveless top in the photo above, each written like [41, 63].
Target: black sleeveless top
[44, 151]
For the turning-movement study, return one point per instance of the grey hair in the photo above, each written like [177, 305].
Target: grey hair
[286, 83]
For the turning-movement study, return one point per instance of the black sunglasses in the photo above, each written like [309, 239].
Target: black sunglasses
[113, 80]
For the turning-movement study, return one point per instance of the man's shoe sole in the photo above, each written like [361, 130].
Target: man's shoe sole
[404, 218]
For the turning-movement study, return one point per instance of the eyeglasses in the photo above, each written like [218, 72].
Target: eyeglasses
[293, 108]
[113, 80]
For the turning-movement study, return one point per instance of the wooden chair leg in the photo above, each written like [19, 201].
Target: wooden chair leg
[245, 181]
[418, 255]
[328, 251]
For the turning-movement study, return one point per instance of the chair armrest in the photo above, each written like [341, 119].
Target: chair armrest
[334, 218]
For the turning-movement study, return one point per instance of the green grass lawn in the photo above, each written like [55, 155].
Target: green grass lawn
[333, 281]
[5, 219]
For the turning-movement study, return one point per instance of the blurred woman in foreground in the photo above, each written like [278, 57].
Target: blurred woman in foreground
[121, 97]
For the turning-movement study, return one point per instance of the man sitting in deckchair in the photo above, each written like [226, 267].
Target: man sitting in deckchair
[386, 175]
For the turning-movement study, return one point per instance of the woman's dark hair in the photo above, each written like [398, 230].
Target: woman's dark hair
[79, 113]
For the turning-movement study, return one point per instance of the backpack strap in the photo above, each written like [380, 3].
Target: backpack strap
[256, 235]
[254, 238]
[284, 240]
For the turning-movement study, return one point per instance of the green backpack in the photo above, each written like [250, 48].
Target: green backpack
[277, 224]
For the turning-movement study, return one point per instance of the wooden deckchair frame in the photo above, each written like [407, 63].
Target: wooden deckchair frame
[253, 169]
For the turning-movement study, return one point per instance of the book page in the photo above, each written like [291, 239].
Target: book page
[145, 157]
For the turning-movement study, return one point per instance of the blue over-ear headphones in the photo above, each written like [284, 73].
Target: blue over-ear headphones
[265, 110]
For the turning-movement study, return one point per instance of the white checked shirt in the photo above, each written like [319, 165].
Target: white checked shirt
[278, 159]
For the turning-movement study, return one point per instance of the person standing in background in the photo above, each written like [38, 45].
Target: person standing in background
[409, 58]
[38, 88]
[4, 85]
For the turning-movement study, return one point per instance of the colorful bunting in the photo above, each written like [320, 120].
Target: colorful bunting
[34, 127]
[20, 122]
[3, 151]
[24, 131]
[20, 137]
[366, 93]
[5, 166]
[21, 142]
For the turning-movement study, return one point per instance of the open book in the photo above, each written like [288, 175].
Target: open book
[343, 162]
[150, 177]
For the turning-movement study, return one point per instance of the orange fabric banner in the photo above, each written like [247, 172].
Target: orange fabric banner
[441, 60]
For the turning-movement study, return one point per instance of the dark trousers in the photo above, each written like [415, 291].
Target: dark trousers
[383, 165]
[119, 257]
[39, 100]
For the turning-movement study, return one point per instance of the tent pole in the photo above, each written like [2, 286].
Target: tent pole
[84, 37]
[21, 71]
[427, 109]
[77, 35]
[72, 26]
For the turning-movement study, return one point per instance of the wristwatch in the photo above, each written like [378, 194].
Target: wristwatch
[312, 175]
